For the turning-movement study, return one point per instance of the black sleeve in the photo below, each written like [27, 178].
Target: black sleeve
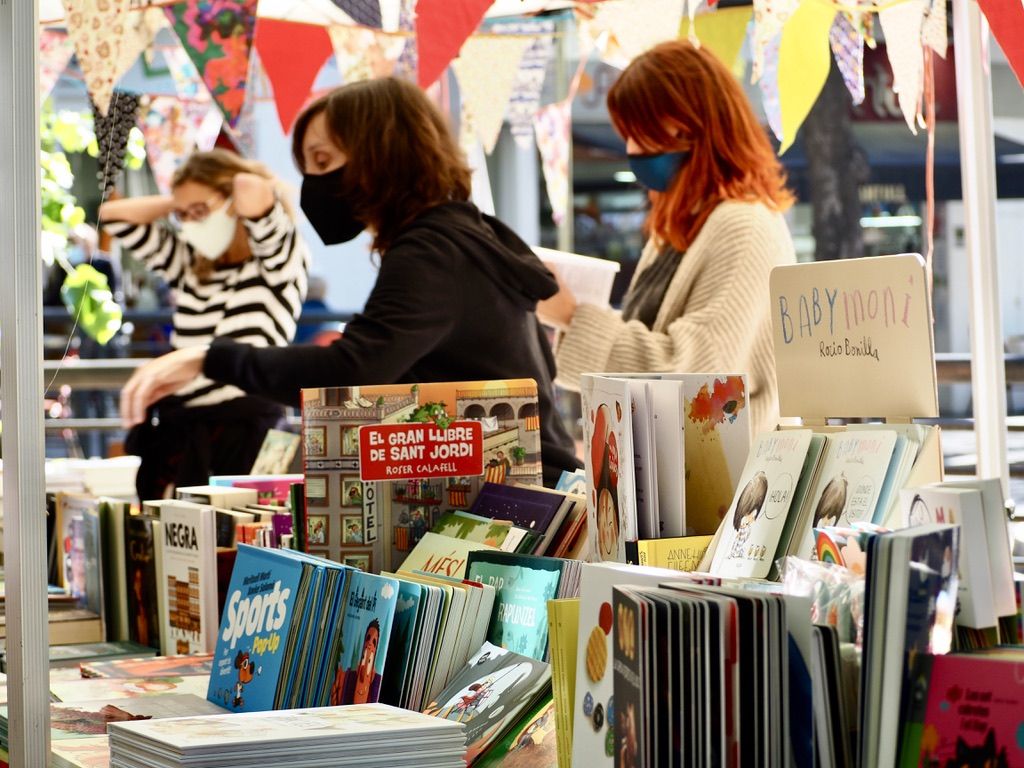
[413, 307]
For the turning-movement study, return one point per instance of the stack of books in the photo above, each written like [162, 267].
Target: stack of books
[368, 736]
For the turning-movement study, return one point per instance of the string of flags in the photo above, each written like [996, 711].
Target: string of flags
[499, 67]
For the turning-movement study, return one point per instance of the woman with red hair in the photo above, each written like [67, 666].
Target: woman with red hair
[699, 299]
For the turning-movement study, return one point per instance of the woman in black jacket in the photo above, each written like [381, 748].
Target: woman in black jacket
[455, 295]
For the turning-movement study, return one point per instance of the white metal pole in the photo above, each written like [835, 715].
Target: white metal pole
[978, 174]
[21, 388]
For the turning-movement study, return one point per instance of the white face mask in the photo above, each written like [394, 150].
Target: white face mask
[211, 236]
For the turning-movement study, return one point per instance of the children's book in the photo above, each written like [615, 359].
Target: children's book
[188, 546]
[276, 453]
[563, 629]
[404, 636]
[465, 525]
[259, 616]
[126, 687]
[680, 554]
[217, 495]
[112, 514]
[573, 482]
[74, 720]
[86, 752]
[149, 666]
[490, 695]
[756, 519]
[531, 742]
[141, 579]
[523, 585]
[366, 631]
[442, 555]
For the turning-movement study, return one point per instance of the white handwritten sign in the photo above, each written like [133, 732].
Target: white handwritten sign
[854, 338]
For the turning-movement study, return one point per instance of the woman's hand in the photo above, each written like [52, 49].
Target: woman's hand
[558, 311]
[253, 195]
[159, 378]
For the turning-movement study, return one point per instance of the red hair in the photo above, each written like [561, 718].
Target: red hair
[675, 87]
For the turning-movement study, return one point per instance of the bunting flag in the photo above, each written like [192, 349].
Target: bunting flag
[769, 86]
[902, 25]
[723, 33]
[529, 82]
[935, 34]
[112, 131]
[292, 56]
[639, 25]
[187, 81]
[55, 51]
[218, 35]
[486, 70]
[365, 54]
[408, 63]
[138, 34]
[172, 129]
[770, 17]
[1006, 18]
[364, 12]
[804, 62]
[97, 30]
[554, 132]
[848, 50]
[442, 26]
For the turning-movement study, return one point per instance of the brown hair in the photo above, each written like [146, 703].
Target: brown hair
[216, 169]
[401, 156]
[675, 86]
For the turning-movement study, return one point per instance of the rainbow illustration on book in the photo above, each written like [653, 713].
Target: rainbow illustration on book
[827, 548]
[721, 404]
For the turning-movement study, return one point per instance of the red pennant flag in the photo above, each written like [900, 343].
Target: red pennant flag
[1006, 19]
[292, 55]
[442, 26]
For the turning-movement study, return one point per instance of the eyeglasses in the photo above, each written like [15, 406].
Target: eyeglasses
[195, 212]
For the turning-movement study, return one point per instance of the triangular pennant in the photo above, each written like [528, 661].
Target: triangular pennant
[442, 26]
[848, 50]
[187, 82]
[770, 16]
[96, 30]
[554, 129]
[218, 34]
[804, 63]
[365, 54]
[292, 55]
[112, 131]
[638, 25]
[1006, 19]
[529, 82]
[769, 86]
[723, 32]
[365, 12]
[407, 65]
[901, 25]
[486, 70]
[172, 128]
[934, 34]
[138, 34]
[55, 51]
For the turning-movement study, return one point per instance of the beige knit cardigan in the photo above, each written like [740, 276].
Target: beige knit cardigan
[715, 316]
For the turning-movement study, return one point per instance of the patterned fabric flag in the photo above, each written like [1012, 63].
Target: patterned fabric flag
[442, 26]
[172, 129]
[55, 51]
[724, 33]
[553, 125]
[97, 29]
[805, 60]
[138, 34]
[112, 131]
[848, 50]
[902, 25]
[218, 35]
[486, 69]
[408, 63]
[292, 56]
[935, 34]
[769, 85]
[639, 25]
[187, 81]
[529, 83]
[365, 54]
[365, 12]
[770, 16]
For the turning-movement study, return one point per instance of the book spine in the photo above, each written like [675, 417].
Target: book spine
[142, 582]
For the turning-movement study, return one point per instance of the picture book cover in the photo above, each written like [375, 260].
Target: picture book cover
[531, 743]
[490, 694]
[189, 580]
[756, 518]
[273, 489]
[365, 633]
[679, 554]
[258, 616]
[375, 525]
[276, 453]
[523, 585]
[141, 580]
[528, 508]
[465, 525]
[611, 481]
[86, 752]
[628, 652]
[150, 666]
[126, 687]
[573, 482]
[975, 713]
[852, 472]
[716, 431]
[441, 555]
[403, 638]
[91, 718]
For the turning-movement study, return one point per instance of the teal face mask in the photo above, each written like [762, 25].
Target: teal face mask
[656, 171]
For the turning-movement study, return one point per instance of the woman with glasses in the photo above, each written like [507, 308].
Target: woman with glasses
[226, 243]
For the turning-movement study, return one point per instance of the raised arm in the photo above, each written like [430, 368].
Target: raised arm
[136, 223]
[137, 210]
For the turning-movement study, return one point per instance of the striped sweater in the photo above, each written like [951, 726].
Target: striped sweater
[257, 302]
[715, 316]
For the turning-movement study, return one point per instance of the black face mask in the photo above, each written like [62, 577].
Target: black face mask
[328, 209]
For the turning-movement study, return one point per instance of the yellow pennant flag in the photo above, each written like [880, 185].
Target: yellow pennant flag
[805, 57]
[722, 32]
[486, 70]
